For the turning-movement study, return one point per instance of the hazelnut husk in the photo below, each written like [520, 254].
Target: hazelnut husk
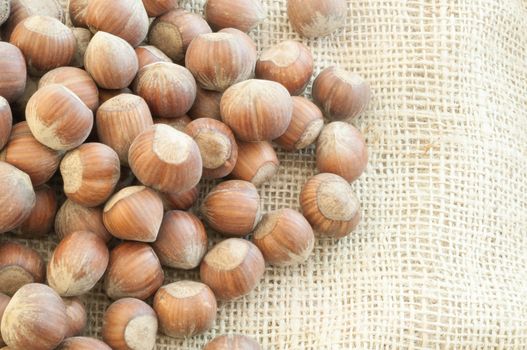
[40, 220]
[232, 268]
[75, 79]
[232, 342]
[6, 121]
[73, 217]
[232, 208]
[181, 200]
[341, 95]
[173, 32]
[150, 54]
[90, 173]
[130, 324]
[45, 42]
[330, 205]
[207, 51]
[185, 308]
[27, 154]
[76, 315]
[13, 72]
[35, 318]
[206, 104]
[17, 197]
[134, 213]
[119, 120]
[57, 118]
[83, 343]
[217, 146]
[289, 63]
[257, 162]
[110, 60]
[168, 89]
[306, 123]
[257, 110]
[126, 19]
[284, 237]
[77, 263]
[342, 150]
[244, 15]
[156, 8]
[182, 240]
[315, 18]
[154, 161]
[134, 271]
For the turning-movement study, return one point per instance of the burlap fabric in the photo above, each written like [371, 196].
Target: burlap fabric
[440, 258]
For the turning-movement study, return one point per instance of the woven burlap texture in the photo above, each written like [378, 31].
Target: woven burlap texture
[440, 258]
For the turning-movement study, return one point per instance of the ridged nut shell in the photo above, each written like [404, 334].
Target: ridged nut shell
[73, 217]
[13, 72]
[257, 162]
[206, 104]
[150, 54]
[19, 265]
[6, 121]
[76, 315]
[182, 200]
[156, 8]
[40, 220]
[315, 18]
[77, 10]
[244, 15]
[83, 343]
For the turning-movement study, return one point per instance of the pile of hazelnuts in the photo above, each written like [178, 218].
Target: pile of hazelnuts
[131, 129]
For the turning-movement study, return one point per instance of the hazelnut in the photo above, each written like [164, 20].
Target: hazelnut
[244, 15]
[217, 146]
[156, 8]
[206, 104]
[17, 197]
[130, 324]
[57, 118]
[90, 173]
[155, 163]
[45, 42]
[206, 51]
[77, 263]
[232, 342]
[6, 121]
[110, 60]
[185, 308]
[119, 120]
[182, 200]
[124, 18]
[83, 343]
[83, 37]
[150, 54]
[179, 123]
[182, 240]
[40, 220]
[134, 213]
[257, 162]
[106, 94]
[22, 9]
[289, 63]
[257, 110]
[306, 123]
[247, 40]
[315, 18]
[232, 208]
[35, 318]
[18, 107]
[341, 95]
[173, 32]
[330, 205]
[30, 156]
[341, 150]
[73, 217]
[75, 79]
[284, 237]
[4, 300]
[232, 268]
[76, 315]
[134, 271]
[13, 72]
[168, 89]
[77, 10]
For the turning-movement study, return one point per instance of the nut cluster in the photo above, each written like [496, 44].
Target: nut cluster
[121, 123]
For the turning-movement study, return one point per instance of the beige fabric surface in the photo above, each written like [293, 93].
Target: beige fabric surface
[440, 258]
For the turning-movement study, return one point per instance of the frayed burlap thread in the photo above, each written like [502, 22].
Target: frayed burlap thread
[440, 258]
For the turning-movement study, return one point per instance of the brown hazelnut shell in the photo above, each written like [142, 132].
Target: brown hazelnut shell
[77, 10]
[179, 123]
[4, 300]
[257, 162]
[73, 217]
[315, 18]
[83, 343]
[150, 54]
[156, 8]
[13, 72]
[6, 121]
[244, 15]
[206, 104]
[83, 37]
[182, 200]
[40, 220]
[77, 317]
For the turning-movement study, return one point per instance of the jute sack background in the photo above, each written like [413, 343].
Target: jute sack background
[440, 258]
